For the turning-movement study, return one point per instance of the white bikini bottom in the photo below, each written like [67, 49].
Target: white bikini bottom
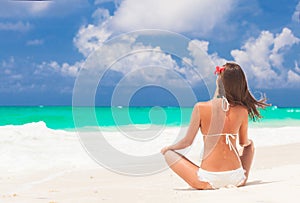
[223, 178]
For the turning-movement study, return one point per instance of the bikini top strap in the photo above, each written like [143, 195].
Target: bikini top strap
[220, 134]
[227, 137]
[225, 104]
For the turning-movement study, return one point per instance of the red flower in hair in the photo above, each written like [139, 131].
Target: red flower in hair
[219, 69]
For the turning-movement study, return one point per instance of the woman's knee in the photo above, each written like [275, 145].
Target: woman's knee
[171, 157]
[168, 154]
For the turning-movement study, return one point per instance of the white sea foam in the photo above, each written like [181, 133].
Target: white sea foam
[34, 147]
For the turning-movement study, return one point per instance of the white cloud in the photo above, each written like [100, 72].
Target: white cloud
[65, 68]
[296, 15]
[262, 58]
[189, 16]
[297, 67]
[18, 9]
[293, 78]
[132, 65]
[52, 64]
[39, 7]
[21, 75]
[71, 70]
[202, 60]
[35, 42]
[148, 67]
[18, 26]
[25, 8]
[284, 40]
[178, 16]
[90, 37]
[129, 65]
[101, 15]
[10, 77]
[8, 64]
[134, 57]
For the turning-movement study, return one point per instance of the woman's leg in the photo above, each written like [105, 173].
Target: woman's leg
[185, 169]
[246, 156]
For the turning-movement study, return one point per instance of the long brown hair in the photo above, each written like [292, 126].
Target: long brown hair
[234, 85]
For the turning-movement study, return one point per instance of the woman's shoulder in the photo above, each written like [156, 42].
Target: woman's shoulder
[208, 105]
[241, 110]
[203, 104]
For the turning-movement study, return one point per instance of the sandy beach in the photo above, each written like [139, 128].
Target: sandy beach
[275, 177]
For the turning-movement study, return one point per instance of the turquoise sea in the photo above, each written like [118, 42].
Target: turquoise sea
[61, 117]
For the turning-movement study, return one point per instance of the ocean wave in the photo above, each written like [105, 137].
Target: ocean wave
[34, 146]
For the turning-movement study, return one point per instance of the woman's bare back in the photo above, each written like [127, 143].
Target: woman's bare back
[219, 154]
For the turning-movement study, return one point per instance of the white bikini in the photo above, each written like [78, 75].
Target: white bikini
[224, 178]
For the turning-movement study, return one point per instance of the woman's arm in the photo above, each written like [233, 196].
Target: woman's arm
[191, 132]
[243, 132]
[247, 152]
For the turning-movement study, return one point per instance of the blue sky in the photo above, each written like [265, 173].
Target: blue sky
[43, 46]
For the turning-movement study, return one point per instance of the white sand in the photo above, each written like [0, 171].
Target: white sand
[275, 177]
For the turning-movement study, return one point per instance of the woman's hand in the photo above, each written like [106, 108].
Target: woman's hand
[164, 150]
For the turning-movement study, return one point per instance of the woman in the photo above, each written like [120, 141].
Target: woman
[221, 121]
